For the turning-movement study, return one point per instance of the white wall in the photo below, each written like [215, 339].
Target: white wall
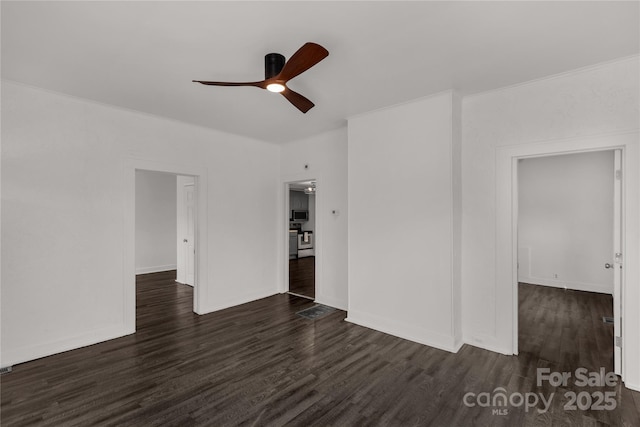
[326, 155]
[63, 199]
[565, 221]
[601, 100]
[402, 237]
[156, 222]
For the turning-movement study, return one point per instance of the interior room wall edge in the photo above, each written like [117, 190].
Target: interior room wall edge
[406, 331]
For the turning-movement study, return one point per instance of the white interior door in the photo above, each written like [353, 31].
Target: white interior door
[189, 234]
[617, 262]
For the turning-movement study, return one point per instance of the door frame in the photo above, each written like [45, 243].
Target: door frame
[506, 289]
[317, 234]
[618, 265]
[130, 166]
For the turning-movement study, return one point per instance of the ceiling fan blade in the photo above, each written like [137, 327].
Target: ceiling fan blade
[299, 101]
[304, 58]
[261, 84]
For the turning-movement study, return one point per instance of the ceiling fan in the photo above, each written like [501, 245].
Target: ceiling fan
[277, 73]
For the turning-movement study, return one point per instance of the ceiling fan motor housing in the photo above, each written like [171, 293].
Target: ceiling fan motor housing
[273, 63]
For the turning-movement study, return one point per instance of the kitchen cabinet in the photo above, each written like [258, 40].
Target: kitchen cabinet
[298, 201]
[293, 244]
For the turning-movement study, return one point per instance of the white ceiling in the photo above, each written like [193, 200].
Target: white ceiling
[143, 55]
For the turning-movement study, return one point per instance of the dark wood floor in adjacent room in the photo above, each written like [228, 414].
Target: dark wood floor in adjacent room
[261, 364]
[565, 327]
[302, 276]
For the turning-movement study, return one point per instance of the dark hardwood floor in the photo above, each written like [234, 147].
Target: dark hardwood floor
[554, 323]
[261, 364]
[302, 276]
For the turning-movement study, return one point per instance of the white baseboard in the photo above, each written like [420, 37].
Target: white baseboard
[156, 269]
[239, 300]
[25, 354]
[402, 330]
[633, 387]
[486, 342]
[576, 286]
[321, 299]
[457, 345]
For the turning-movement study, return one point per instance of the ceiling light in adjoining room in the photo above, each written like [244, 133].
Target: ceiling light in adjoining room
[311, 189]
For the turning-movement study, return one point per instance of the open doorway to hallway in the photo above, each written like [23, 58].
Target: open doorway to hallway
[164, 235]
[566, 276]
[302, 245]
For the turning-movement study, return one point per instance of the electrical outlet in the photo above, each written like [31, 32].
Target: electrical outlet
[555, 275]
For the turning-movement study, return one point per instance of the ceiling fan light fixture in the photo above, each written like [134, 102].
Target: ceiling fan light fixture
[277, 72]
[275, 87]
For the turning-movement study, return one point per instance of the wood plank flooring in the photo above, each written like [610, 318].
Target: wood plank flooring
[302, 276]
[261, 364]
[555, 322]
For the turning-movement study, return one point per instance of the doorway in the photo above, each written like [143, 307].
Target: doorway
[130, 166]
[504, 325]
[565, 258]
[302, 238]
[165, 230]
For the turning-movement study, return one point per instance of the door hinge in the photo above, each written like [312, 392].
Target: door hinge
[618, 257]
[619, 342]
[618, 174]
